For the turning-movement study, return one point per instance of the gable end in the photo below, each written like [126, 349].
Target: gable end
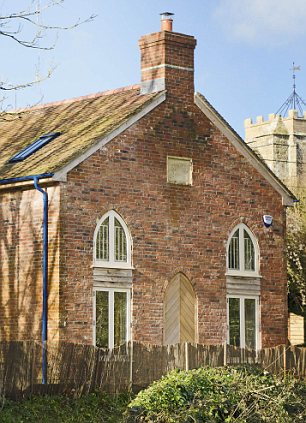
[61, 174]
[288, 198]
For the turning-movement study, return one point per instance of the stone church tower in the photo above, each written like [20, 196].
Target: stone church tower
[281, 142]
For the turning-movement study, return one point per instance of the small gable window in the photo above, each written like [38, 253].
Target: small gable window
[242, 252]
[32, 148]
[112, 242]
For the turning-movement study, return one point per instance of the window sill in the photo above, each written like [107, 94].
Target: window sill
[112, 266]
[243, 275]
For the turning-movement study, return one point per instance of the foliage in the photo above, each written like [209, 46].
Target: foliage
[91, 408]
[220, 395]
[212, 395]
[296, 254]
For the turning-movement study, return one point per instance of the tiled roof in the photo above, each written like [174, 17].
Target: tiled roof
[82, 122]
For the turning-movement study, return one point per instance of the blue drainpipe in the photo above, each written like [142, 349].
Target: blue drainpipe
[44, 334]
[35, 179]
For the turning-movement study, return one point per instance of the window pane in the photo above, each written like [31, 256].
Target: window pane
[120, 322]
[120, 242]
[102, 241]
[102, 319]
[250, 323]
[234, 321]
[249, 252]
[233, 252]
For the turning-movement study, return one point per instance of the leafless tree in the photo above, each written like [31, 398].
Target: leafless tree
[25, 28]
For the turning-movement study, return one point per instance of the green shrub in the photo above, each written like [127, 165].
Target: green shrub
[92, 408]
[219, 395]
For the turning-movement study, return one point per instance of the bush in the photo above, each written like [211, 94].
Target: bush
[219, 395]
[91, 408]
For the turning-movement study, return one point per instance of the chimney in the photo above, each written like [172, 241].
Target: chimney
[167, 61]
[166, 21]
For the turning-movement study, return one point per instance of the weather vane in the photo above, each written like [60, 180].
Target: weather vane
[294, 101]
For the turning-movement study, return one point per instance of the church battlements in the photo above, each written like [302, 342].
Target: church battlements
[281, 142]
[292, 114]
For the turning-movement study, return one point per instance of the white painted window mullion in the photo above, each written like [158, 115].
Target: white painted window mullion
[111, 307]
[227, 320]
[257, 313]
[128, 315]
[242, 323]
[111, 238]
[94, 316]
[241, 250]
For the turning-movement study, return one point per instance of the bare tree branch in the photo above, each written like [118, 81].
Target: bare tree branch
[27, 16]
[29, 44]
[15, 25]
[11, 87]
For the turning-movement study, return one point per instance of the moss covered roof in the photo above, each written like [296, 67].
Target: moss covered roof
[82, 123]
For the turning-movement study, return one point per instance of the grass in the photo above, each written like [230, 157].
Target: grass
[92, 408]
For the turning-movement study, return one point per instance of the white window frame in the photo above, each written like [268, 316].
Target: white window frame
[242, 299]
[111, 305]
[112, 263]
[241, 271]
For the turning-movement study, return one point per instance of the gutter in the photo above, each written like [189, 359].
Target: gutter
[25, 178]
[44, 335]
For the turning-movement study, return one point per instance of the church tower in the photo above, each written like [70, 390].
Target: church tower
[281, 140]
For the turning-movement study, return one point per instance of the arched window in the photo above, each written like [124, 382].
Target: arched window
[242, 252]
[112, 242]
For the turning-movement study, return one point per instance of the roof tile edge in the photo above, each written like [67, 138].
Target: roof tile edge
[75, 99]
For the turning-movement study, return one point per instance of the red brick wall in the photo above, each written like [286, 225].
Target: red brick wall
[174, 50]
[21, 216]
[174, 228]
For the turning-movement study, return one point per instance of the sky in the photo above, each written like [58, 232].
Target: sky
[245, 49]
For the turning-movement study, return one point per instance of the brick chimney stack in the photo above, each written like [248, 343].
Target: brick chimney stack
[167, 61]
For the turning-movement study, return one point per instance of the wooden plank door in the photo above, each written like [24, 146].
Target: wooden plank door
[179, 311]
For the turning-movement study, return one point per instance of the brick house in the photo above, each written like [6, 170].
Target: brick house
[155, 216]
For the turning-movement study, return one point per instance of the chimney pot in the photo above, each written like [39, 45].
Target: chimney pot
[166, 21]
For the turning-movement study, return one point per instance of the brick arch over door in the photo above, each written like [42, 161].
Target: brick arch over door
[179, 311]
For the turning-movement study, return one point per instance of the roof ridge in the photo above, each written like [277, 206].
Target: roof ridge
[75, 99]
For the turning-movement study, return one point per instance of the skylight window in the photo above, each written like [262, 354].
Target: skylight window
[32, 148]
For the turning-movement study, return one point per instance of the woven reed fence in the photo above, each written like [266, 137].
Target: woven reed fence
[76, 369]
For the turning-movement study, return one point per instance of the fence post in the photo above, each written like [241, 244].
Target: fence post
[225, 354]
[186, 356]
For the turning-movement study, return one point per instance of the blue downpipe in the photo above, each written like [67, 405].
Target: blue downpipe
[45, 283]
[36, 178]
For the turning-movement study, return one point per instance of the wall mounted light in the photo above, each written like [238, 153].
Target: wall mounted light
[267, 220]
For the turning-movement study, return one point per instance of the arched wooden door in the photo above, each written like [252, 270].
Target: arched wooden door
[179, 311]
